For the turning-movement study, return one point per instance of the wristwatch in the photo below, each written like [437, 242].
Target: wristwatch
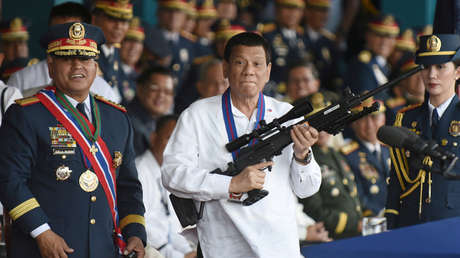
[306, 160]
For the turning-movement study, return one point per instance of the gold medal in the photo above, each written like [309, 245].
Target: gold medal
[62, 173]
[88, 181]
[335, 192]
[374, 189]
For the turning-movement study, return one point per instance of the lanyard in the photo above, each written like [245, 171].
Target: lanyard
[230, 122]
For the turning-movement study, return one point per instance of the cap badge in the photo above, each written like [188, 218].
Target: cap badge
[77, 31]
[16, 24]
[389, 20]
[433, 44]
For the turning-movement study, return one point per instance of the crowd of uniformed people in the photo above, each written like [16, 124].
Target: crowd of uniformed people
[154, 72]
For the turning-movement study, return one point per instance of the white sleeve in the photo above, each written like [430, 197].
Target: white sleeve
[181, 174]
[305, 179]
[14, 80]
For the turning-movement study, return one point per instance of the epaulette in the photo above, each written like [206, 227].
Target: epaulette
[410, 107]
[327, 34]
[27, 101]
[395, 102]
[110, 103]
[349, 148]
[365, 56]
[299, 29]
[33, 61]
[266, 28]
[202, 59]
[188, 36]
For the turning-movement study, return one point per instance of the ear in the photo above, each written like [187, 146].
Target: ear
[49, 61]
[457, 73]
[269, 68]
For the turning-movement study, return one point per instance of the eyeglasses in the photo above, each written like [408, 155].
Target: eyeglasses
[159, 89]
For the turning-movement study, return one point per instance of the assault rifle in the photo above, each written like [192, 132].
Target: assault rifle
[272, 138]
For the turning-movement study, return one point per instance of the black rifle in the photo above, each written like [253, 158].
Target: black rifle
[273, 138]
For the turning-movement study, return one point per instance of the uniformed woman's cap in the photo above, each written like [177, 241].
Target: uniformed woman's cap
[73, 40]
[181, 5]
[384, 25]
[206, 10]
[135, 31]
[14, 30]
[438, 49]
[406, 41]
[291, 3]
[318, 4]
[226, 30]
[119, 9]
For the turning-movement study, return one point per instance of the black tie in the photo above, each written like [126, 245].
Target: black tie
[434, 121]
[81, 108]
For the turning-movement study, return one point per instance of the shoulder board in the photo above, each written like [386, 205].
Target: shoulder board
[349, 148]
[33, 61]
[395, 102]
[266, 28]
[27, 101]
[327, 34]
[299, 29]
[365, 56]
[202, 59]
[110, 103]
[188, 36]
[410, 107]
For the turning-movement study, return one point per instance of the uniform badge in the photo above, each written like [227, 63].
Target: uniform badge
[88, 181]
[62, 173]
[368, 171]
[345, 181]
[413, 124]
[374, 189]
[183, 55]
[326, 54]
[335, 192]
[454, 128]
[62, 142]
[117, 159]
[345, 166]
[176, 67]
[444, 142]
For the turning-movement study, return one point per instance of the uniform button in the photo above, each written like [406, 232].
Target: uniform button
[92, 221]
[93, 198]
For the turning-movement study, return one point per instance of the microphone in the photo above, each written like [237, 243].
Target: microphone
[401, 137]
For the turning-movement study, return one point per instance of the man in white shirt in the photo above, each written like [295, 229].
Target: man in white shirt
[227, 228]
[161, 222]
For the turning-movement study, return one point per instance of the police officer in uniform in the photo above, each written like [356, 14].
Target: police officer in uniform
[171, 19]
[370, 68]
[415, 195]
[112, 17]
[369, 160]
[337, 203]
[68, 178]
[130, 53]
[286, 38]
[321, 42]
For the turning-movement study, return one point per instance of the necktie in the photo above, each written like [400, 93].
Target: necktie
[434, 121]
[81, 108]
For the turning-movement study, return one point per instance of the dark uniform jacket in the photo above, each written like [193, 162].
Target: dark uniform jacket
[364, 74]
[336, 203]
[143, 125]
[370, 175]
[326, 57]
[30, 190]
[404, 200]
[283, 51]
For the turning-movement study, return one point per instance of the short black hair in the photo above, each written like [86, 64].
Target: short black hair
[163, 120]
[303, 63]
[147, 73]
[249, 39]
[70, 9]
